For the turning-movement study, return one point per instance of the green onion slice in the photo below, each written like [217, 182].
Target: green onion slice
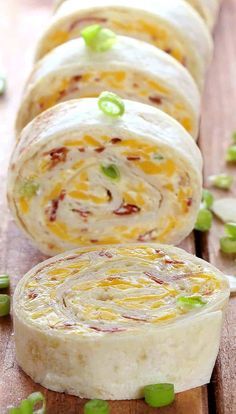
[111, 104]
[222, 181]
[231, 154]
[228, 245]
[4, 281]
[26, 407]
[98, 38]
[3, 84]
[207, 198]
[204, 220]
[37, 398]
[14, 410]
[29, 188]
[4, 305]
[111, 171]
[230, 229]
[190, 302]
[159, 395]
[96, 407]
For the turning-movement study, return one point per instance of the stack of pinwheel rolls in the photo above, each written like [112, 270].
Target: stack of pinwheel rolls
[117, 185]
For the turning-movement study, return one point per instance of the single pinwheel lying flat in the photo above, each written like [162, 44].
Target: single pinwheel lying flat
[104, 322]
[79, 177]
[74, 71]
[171, 25]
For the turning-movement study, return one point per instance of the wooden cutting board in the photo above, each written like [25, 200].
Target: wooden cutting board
[21, 23]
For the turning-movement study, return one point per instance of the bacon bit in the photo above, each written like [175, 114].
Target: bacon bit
[69, 324]
[149, 235]
[94, 240]
[110, 330]
[109, 195]
[32, 295]
[168, 50]
[133, 158]
[155, 99]
[81, 149]
[97, 79]
[115, 140]
[126, 209]
[154, 278]
[86, 20]
[168, 260]
[101, 149]
[135, 318]
[62, 94]
[184, 61]
[105, 253]
[82, 213]
[57, 155]
[158, 251]
[135, 85]
[77, 78]
[52, 210]
[189, 201]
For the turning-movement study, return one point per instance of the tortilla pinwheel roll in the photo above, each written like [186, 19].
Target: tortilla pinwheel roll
[104, 322]
[171, 25]
[80, 177]
[208, 9]
[75, 71]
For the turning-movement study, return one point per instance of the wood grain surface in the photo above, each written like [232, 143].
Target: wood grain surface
[21, 23]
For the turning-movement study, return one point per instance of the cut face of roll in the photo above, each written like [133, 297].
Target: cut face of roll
[207, 9]
[104, 322]
[171, 25]
[79, 177]
[74, 71]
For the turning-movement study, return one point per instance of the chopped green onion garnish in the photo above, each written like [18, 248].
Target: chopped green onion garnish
[159, 395]
[26, 407]
[4, 281]
[190, 302]
[204, 220]
[29, 188]
[231, 154]
[222, 181]
[4, 305]
[228, 245]
[111, 104]
[111, 171]
[96, 407]
[14, 410]
[98, 38]
[2, 84]
[234, 137]
[230, 229]
[207, 198]
[158, 157]
[38, 398]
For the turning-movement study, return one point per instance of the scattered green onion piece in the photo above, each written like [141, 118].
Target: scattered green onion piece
[37, 398]
[14, 410]
[234, 137]
[4, 305]
[111, 171]
[204, 220]
[158, 157]
[231, 154]
[190, 302]
[98, 38]
[29, 188]
[96, 407]
[111, 104]
[4, 281]
[222, 181]
[159, 395]
[207, 198]
[230, 229]
[228, 245]
[26, 407]
[3, 84]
